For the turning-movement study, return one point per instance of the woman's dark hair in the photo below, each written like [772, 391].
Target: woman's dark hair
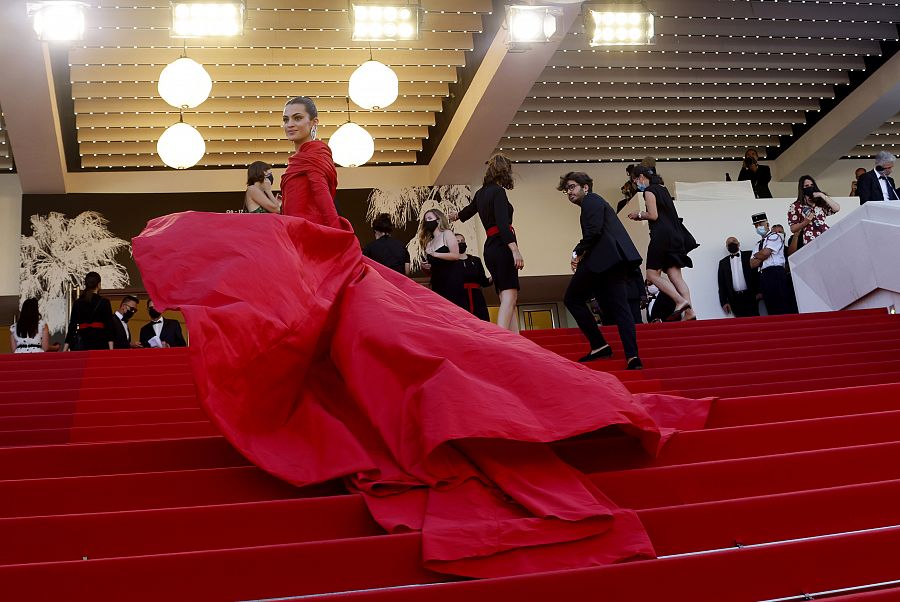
[307, 103]
[647, 172]
[382, 223]
[499, 172]
[91, 282]
[27, 324]
[257, 172]
[579, 177]
[801, 195]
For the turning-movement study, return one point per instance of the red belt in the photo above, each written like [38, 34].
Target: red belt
[471, 286]
[495, 230]
[91, 325]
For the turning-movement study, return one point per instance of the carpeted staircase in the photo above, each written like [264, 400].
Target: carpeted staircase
[114, 486]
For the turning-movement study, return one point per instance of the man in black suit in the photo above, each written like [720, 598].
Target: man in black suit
[878, 185]
[121, 333]
[603, 263]
[160, 332]
[386, 250]
[738, 282]
[759, 175]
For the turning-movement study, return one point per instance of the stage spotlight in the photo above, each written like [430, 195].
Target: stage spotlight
[59, 21]
[207, 19]
[376, 23]
[618, 25]
[532, 24]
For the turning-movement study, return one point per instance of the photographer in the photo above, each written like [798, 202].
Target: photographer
[807, 214]
[759, 175]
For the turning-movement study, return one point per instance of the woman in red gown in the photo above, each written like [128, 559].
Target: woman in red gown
[318, 364]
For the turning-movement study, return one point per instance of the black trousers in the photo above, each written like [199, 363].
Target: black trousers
[744, 304]
[611, 290]
[777, 292]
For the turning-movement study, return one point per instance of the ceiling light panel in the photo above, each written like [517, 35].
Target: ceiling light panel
[207, 19]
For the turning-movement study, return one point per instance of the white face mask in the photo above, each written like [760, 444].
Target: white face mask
[652, 289]
[762, 230]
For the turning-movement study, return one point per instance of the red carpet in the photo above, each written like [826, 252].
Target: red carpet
[113, 487]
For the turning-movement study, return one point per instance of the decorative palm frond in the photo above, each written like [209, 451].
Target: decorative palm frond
[58, 255]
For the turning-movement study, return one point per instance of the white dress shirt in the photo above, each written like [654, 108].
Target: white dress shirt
[776, 243]
[738, 282]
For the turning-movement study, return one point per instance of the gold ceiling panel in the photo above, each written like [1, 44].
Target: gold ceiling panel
[721, 76]
[288, 48]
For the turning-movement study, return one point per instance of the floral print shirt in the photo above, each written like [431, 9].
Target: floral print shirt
[817, 226]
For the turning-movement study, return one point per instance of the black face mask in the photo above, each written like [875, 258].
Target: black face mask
[431, 226]
[154, 315]
[127, 314]
[733, 247]
[462, 247]
[270, 178]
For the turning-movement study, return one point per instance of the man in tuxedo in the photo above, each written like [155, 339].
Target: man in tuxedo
[738, 282]
[121, 333]
[878, 185]
[160, 332]
[603, 264]
[759, 175]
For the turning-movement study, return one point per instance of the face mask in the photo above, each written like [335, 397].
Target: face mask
[270, 178]
[640, 186]
[431, 226]
[652, 289]
[762, 230]
[128, 314]
[154, 315]
[462, 247]
[733, 247]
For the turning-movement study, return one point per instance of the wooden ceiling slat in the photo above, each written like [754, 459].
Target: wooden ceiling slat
[231, 105]
[631, 155]
[248, 119]
[633, 75]
[695, 60]
[661, 104]
[228, 160]
[595, 131]
[624, 142]
[230, 146]
[280, 91]
[683, 90]
[638, 117]
[776, 29]
[767, 9]
[712, 44]
[258, 133]
[158, 38]
[262, 5]
[260, 56]
[256, 74]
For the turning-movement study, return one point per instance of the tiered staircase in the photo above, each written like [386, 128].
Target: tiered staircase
[114, 486]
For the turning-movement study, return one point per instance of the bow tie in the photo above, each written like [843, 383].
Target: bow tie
[882, 178]
[157, 321]
[736, 254]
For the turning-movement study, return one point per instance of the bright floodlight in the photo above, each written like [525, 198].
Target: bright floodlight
[530, 24]
[609, 25]
[207, 19]
[374, 23]
[59, 21]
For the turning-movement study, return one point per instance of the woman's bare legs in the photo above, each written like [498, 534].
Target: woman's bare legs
[681, 286]
[507, 311]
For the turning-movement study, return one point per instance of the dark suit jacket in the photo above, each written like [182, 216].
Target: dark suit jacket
[120, 337]
[170, 333]
[759, 180]
[869, 189]
[726, 287]
[604, 241]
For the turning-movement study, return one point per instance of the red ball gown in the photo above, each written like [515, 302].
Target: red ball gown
[318, 364]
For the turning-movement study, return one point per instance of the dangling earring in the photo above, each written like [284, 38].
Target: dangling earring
[312, 133]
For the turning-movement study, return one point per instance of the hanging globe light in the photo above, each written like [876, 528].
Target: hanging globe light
[374, 85]
[351, 145]
[181, 146]
[184, 83]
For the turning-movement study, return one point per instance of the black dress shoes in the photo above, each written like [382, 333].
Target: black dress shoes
[601, 354]
[634, 363]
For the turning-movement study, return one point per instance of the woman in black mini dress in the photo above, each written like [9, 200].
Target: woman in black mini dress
[670, 242]
[501, 250]
[442, 251]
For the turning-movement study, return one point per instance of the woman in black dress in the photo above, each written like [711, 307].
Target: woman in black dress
[501, 251]
[474, 279]
[91, 324]
[670, 242]
[437, 240]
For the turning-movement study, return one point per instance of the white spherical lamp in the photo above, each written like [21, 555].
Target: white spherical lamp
[351, 145]
[374, 85]
[184, 83]
[181, 146]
